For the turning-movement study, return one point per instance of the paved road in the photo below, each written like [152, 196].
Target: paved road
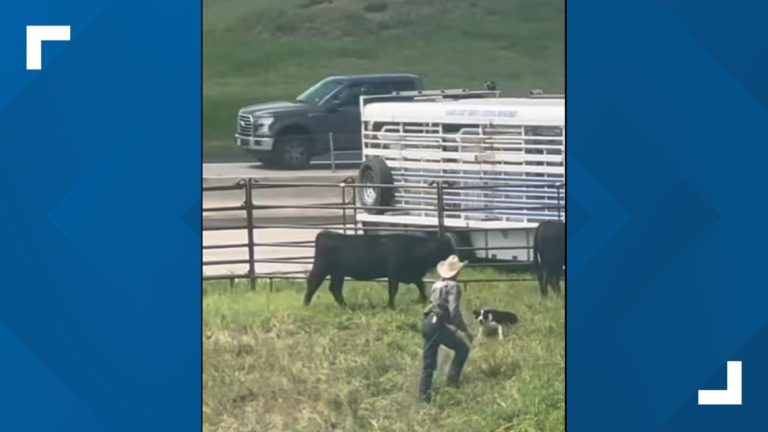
[235, 155]
[214, 171]
[347, 161]
[229, 225]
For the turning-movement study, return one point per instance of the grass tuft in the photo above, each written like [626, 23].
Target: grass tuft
[376, 6]
[313, 3]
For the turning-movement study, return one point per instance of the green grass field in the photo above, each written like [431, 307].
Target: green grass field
[272, 365]
[259, 50]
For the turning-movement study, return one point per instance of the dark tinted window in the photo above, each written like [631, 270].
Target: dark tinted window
[351, 94]
[378, 88]
[390, 87]
[403, 85]
[319, 91]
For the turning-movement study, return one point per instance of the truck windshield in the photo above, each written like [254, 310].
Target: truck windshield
[319, 91]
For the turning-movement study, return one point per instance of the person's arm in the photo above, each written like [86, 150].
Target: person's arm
[454, 306]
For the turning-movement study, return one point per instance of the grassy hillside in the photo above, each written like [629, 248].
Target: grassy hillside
[260, 50]
[272, 365]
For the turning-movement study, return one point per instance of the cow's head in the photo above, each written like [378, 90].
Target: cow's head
[445, 246]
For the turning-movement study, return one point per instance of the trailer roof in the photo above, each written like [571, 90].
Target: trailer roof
[510, 111]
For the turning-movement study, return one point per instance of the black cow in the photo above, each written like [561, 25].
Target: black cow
[399, 257]
[549, 255]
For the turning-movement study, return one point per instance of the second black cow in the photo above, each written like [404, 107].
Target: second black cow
[398, 257]
[549, 255]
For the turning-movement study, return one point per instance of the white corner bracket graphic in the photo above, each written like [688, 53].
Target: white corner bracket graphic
[35, 37]
[731, 395]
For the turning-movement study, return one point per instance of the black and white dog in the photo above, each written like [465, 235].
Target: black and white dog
[493, 321]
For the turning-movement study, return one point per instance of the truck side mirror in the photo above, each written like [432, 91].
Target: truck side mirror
[333, 105]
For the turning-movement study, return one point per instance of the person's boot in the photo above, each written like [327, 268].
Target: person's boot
[452, 381]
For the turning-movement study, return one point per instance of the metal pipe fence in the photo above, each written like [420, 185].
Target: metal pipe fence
[346, 221]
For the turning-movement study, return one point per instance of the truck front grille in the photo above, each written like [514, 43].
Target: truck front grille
[245, 125]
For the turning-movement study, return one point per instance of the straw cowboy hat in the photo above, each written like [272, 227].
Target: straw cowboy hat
[448, 268]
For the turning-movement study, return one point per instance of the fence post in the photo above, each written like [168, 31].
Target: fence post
[344, 206]
[559, 185]
[440, 209]
[249, 224]
[333, 152]
[354, 205]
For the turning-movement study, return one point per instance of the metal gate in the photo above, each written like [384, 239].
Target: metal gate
[339, 213]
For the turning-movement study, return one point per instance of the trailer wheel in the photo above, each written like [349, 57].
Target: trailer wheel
[375, 171]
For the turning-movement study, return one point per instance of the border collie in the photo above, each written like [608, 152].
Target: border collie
[493, 321]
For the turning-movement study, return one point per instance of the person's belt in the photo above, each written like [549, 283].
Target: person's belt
[434, 315]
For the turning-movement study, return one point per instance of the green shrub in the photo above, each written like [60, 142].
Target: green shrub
[376, 6]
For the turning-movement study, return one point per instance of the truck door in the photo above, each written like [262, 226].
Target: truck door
[346, 123]
[344, 119]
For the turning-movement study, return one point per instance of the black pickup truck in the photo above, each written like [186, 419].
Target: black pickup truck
[290, 134]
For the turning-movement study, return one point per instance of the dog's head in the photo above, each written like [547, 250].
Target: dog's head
[482, 315]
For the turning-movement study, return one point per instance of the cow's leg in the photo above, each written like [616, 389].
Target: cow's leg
[422, 293]
[543, 282]
[501, 332]
[556, 284]
[314, 280]
[393, 286]
[337, 282]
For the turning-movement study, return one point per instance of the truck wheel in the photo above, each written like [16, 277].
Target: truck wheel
[293, 152]
[375, 171]
[267, 160]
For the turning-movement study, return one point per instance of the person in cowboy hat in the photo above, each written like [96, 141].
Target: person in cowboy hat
[440, 318]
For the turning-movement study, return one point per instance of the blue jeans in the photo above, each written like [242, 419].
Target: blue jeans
[436, 334]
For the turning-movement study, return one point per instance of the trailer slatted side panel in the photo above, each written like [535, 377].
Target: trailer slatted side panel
[465, 155]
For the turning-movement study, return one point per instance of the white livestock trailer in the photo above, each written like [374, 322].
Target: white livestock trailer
[486, 168]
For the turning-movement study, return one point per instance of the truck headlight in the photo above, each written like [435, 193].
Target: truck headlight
[262, 123]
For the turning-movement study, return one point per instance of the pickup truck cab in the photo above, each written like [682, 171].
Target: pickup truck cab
[290, 134]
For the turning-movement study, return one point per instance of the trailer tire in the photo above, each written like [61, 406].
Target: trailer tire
[375, 171]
